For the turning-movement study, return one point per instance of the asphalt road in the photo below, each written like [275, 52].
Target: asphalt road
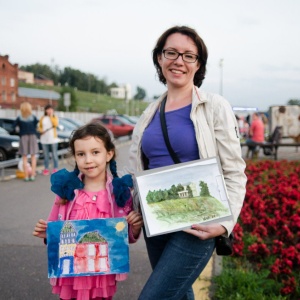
[23, 260]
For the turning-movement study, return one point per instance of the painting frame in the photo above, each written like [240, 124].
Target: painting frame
[87, 247]
[175, 197]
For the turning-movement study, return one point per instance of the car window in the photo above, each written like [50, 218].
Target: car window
[7, 125]
[3, 131]
[117, 122]
[105, 121]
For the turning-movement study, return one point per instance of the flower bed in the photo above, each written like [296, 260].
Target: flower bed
[268, 232]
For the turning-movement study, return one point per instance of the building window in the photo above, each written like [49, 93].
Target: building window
[3, 80]
[4, 96]
[3, 66]
[12, 82]
[13, 97]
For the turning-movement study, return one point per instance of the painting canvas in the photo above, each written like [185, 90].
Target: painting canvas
[87, 247]
[175, 197]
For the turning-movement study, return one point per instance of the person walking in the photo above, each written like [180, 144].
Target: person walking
[256, 135]
[98, 194]
[48, 129]
[27, 123]
[199, 125]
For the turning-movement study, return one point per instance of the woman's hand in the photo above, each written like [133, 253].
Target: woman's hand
[40, 229]
[204, 232]
[135, 219]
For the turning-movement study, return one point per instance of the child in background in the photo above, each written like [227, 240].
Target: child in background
[92, 193]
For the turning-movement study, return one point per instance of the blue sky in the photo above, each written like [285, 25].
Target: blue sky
[258, 40]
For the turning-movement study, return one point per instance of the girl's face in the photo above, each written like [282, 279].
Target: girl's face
[91, 157]
[179, 73]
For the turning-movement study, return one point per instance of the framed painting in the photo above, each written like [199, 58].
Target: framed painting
[175, 197]
[87, 247]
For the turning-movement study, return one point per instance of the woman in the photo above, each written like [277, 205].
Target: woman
[27, 123]
[199, 125]
[47, 128]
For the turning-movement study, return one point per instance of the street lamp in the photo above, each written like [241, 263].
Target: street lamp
[221, 76]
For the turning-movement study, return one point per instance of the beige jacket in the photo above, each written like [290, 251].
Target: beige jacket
[217, 134]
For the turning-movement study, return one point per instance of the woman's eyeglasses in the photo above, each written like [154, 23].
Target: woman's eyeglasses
[173, 55]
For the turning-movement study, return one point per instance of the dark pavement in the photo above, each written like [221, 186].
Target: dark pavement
[23, 261]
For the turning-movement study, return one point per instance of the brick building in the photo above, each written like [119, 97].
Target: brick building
[8, 82]
[11, 96]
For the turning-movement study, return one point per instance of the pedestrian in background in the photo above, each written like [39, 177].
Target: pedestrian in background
[98, 194]
[256, 135]
[48, 129]
[199, 125]
[27, 124]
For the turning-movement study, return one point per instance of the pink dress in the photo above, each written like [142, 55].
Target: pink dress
[88, 205]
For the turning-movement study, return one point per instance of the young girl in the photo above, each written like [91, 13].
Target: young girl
[94, 194]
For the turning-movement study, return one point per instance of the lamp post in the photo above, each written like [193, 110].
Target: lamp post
[221, 76]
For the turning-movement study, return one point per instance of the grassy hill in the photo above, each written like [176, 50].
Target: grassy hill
[92, 102]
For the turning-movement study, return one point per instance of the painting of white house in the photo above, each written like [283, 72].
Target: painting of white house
[87, 247]
[175, 197]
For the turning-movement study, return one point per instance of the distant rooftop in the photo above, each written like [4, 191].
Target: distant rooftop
[36, 93]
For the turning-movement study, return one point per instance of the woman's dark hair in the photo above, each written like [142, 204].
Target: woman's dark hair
[202, 52]
[46, 108]
[95, 130]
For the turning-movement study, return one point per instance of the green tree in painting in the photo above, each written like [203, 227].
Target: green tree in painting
[204, 189]
[190, 192]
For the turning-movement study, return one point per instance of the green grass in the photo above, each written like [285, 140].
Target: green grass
[240, 282]
[100, 103]
[195, 209]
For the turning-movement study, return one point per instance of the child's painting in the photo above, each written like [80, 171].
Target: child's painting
[175, 197]
[87, 247]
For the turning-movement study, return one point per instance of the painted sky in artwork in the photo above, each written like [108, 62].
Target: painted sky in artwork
[113, 230]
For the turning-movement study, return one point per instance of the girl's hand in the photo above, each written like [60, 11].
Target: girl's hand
[40, 229]
[204, 232]
[135, 219]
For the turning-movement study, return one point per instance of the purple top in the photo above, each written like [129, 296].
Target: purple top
[181, 135]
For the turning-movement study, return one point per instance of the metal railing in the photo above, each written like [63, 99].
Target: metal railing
[14, 162]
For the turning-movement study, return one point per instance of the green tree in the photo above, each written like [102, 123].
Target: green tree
[190, 191]
[294, 102]
[73, 106]
[204, 189]
[140, 94]
[39, 69]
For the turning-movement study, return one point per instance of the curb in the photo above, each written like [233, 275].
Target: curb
[203, 286]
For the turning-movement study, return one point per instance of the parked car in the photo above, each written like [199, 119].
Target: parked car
[102, 124]
[75, 122]
[130, 119]
[117, 124]
[62, 134]
[7, 124]
[9, 145]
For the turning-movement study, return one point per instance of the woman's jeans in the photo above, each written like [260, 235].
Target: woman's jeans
[46, 152]
[177, 260]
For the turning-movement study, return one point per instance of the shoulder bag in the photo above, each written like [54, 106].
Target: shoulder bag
[223, 243]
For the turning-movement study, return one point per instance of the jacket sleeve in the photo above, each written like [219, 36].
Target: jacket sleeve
[40, 125]
[229, 151]
[54, 121]
[56, 210]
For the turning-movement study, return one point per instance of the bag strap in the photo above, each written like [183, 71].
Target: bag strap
[165, 132]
